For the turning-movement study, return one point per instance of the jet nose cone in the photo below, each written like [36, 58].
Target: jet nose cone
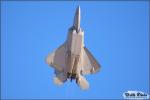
[78, 12]
[77, 18]
[78, 8]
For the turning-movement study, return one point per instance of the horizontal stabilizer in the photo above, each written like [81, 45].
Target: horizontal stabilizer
[59, 79]
[83, 83]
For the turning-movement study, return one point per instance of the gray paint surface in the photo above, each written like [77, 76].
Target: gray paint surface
[72, 60]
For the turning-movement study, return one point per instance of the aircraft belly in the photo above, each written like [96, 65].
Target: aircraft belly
[72, 60]
[76, 44]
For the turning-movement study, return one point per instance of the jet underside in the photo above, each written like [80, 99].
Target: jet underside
[72, 59]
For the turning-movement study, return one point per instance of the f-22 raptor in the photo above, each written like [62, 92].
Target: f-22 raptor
[72, 59]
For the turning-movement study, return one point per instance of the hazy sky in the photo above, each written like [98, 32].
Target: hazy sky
[116, 33]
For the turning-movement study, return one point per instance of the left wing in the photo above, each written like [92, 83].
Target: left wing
[57, 59]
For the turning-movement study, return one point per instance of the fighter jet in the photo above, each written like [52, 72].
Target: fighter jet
[72, 59]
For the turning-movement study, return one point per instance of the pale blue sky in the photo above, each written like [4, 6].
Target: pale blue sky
[116, 33]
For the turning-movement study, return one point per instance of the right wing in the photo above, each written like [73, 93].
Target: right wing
[89, 63]
[57, 58]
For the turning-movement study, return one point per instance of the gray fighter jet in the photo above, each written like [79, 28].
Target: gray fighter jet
[72, 59]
